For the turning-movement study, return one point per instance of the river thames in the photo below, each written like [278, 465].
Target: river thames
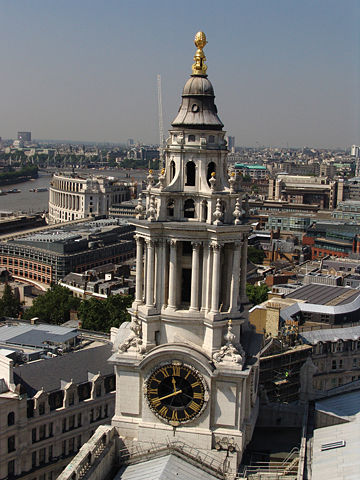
[31, 202]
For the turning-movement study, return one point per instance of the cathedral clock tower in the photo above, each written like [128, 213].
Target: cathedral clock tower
[186, 369]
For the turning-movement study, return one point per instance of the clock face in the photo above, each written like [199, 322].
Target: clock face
[176, 392]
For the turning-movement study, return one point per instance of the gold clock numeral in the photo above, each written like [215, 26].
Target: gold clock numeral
[164, 372]
[155, 401]
[186, 415]
[174, 416]
[187, 375]
[176, 370]
[198, 395]
[155, 379]
[195, 384]
[152, 391]
[163, 411]
[194, 406]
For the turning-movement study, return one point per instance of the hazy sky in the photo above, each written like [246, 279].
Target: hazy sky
[284, 72]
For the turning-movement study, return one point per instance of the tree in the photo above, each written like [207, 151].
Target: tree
[9, 303]
[255, 255]
[101, 315]
[54, 306]
[256, 294]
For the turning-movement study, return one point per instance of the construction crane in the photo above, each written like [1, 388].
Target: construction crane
[161, 123]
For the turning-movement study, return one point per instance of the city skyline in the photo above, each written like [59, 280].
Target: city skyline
[284, 74]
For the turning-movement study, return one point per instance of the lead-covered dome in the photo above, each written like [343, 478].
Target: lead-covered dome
[198, 109]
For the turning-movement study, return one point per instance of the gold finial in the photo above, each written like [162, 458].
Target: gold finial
[199, 67]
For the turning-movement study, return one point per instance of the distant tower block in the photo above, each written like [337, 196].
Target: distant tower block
[24, 136]
[231, 144]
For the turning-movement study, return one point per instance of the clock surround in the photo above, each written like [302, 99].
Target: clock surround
[176, 392]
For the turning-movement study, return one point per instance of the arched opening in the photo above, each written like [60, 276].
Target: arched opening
[204, 210]
[172, 170]
[211, 168]
[170, 208]
[11, 419]
[190, 174]
[189, 208]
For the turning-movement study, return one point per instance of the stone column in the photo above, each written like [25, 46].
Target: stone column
[160, 273]
[150, 272]
[139, 268]
[194, 300]
[215, 277]
[172, 275]
[205, 277]
[235, 278]
[243, 296]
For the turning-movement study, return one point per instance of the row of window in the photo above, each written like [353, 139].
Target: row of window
[24, 263]
[339, 346]
[192, 138]
[83, 391]
[42, 432]
[190, 172]
[335, 382]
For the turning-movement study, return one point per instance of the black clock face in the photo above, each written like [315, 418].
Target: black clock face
[176, 392]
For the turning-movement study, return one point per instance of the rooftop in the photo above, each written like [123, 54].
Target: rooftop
[331, 335]
[325, 294]
[24, 334]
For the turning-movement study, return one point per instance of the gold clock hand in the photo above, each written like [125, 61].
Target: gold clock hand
[171, 395]
[174, 383]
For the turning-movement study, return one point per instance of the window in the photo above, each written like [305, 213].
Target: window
[211, 169]
[71, 398]
[51, 429]
[84, 391]
[170, 208]
[98, 390]
[79, 442]
[11, 468]
[355, 362]
[191, 138]
[56, 399]
[33, 459]
[211, 139]
[172, 170]
[11, 419]
[33, 435]
[333, 365]
[42, 456]
[340, 363]
[189, 208]
[42, 432]
[190, 174]
[64, 425]
[11, 444]
[71, 444]
[71, 422]
[79, 420]
[41, 408]
[109, 383]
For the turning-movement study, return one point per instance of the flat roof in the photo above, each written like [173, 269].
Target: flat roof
[325, 294]
[342, 463]
[35, 335]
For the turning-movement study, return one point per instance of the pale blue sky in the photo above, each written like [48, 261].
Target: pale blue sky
[284, 72]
